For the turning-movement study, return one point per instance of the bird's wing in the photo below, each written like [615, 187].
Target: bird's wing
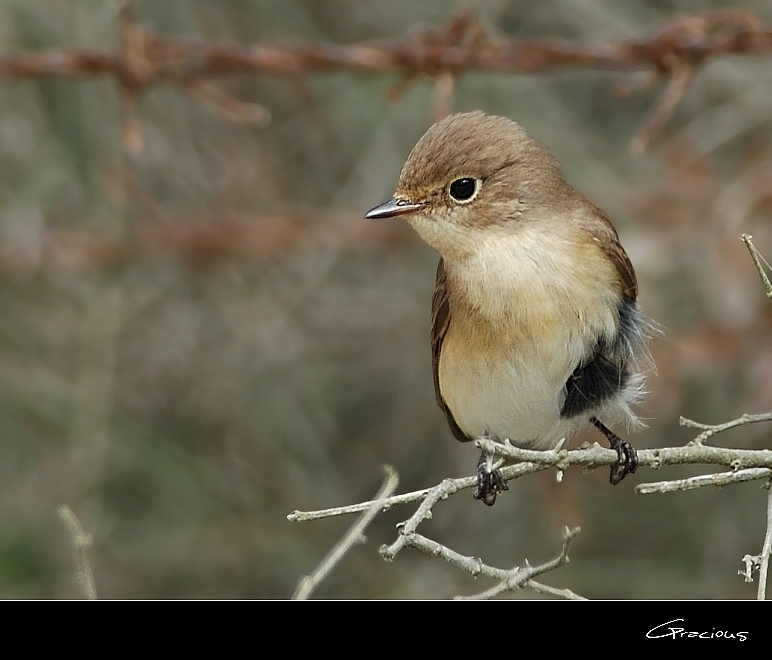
[608, 240]
[608, 370]
[440, 325]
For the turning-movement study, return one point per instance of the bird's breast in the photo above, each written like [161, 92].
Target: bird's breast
[523, 315]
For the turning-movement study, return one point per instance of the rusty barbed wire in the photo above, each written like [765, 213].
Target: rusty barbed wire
[672, 53]
[147, 58]
[464, 44]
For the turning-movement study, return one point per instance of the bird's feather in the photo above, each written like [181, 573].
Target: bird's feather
[440, 325]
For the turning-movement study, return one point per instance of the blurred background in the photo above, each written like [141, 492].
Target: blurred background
[201, 338]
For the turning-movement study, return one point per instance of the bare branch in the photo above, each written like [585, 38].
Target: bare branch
[747, 464]
[719, 480]
[81, 539]
[597, 456]
[588, 457]
[760, 563]
[757, 259]
[711, 430]
[509, 472]
[355, 535]
[540, 588]
[518, 578]
[766, 549]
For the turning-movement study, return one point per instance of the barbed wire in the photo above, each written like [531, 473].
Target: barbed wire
[463, 44]
[673, 52]
[145, 58]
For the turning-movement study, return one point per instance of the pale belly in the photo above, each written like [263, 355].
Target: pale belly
[495, 393]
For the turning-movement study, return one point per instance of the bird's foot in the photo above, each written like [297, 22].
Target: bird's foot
[627, 458]
[489, 480]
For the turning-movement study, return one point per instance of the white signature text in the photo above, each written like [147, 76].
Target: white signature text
[664, 630]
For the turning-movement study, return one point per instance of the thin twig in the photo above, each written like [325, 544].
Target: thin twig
[82, 540]
[354, 536]
[757, 259]
[720, 479]
[511, 580]
[476, 567]
[406, 498]
[509, 472]
[517, 578]
[766, 549]
[441, 492]
[540, 588]
[712, 429]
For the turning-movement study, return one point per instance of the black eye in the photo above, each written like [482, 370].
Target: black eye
[463, 189]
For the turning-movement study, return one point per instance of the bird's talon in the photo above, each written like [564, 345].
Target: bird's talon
[627, 457]
[489, 481]
[627, 461]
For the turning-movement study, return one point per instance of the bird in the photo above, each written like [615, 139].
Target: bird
[536, 332]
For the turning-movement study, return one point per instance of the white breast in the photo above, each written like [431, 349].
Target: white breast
[525, 310]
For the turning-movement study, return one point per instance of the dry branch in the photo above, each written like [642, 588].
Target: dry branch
[709, 430]
[81, 540]
[310, 582]
[591, 457]
[747, 465]
[757, 259]
[518, 578]
[448, 486]
[719, 479]
[766, 551]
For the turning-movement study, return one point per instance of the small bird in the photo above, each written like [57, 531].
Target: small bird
[536, 332]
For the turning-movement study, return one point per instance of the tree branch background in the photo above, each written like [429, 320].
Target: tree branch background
[201, 337]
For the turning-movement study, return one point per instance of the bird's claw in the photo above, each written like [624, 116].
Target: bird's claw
[627, 460]
[489, 482]
[627, 457]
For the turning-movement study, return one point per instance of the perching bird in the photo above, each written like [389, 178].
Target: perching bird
[536, 332]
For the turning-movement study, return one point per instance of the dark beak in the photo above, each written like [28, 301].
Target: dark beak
[392, 209]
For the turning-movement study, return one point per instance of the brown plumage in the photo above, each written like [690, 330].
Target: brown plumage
[535, 327]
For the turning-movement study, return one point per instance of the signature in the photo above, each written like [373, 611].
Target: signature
[664, 630]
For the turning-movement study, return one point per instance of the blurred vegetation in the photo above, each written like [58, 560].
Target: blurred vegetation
[183, 406]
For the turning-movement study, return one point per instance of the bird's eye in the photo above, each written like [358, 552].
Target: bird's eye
[462, 190]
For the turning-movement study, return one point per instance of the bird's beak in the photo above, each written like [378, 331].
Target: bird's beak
[392, 209]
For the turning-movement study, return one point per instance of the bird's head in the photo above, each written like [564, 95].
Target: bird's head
[473, 174]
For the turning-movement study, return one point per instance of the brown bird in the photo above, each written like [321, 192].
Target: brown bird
[536, 332]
